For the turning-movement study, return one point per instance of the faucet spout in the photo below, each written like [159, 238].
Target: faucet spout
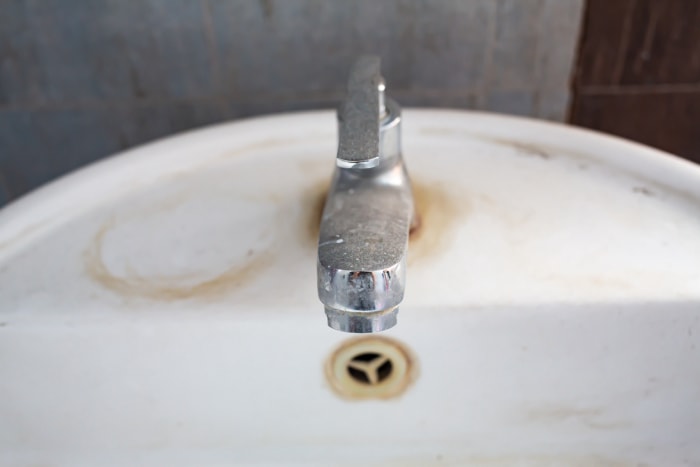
[363, 239]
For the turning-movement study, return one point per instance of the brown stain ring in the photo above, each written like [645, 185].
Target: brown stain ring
[165, 288]
[405, 370]
[436, 209]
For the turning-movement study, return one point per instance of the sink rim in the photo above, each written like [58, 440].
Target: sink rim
[33, 213]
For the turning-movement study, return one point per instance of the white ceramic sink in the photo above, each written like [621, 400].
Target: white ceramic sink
[160, 308]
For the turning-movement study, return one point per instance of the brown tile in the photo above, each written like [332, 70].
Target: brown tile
[664, 43]
[639, 42]
[668, 121]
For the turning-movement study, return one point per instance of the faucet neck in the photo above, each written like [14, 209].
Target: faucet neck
[363, 237]
[390, 136]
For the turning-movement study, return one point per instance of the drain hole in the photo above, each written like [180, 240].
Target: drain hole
[365, 357]
[358, 375]
[370, 368]
[384, 370]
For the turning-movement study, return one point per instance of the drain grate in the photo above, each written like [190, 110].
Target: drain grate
[370, 367]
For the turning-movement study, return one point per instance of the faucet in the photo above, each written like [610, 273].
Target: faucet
[363, 239]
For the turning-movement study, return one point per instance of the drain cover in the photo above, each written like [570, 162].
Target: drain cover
[370, 368]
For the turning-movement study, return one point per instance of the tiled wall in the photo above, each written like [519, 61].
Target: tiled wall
[81, 79]
[638, 73]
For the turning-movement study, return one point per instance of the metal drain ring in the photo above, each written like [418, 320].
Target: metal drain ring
[370, 368]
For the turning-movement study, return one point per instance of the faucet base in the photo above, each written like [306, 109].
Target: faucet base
[361, 322]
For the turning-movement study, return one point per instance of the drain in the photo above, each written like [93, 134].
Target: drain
[370, 367]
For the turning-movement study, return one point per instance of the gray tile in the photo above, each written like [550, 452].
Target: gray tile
[82, 79]
[514, 49]
[4, 190]
[558, 35]
[140, 124]
[511, 102]
[552, 106]
[449, 46]
[241, 107]
[455, 100]
[302, 46]
[284, 48]
[20, 77]
[18, 148]
[116, 49]
[37, 146]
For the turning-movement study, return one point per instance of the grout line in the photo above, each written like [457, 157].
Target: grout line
[483, 86]
[572, 85]
[640, 89]
[214, 53]
[538, 66]
[283, 98]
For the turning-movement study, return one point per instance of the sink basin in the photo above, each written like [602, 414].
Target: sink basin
[160, 307]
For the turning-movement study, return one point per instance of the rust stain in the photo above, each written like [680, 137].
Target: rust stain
[166, 288]
[315, 199]
[436, 210]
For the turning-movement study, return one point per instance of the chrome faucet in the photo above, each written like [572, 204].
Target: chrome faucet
[365, 225]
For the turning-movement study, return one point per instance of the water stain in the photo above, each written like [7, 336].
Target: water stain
[209, 163]
[584, 160]
[523, 148]
[592, 417]
[22, 234]
[686, 196]
[523, 460]
[642, 190]
[526, 149]
[436, 213]
[169, 288]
